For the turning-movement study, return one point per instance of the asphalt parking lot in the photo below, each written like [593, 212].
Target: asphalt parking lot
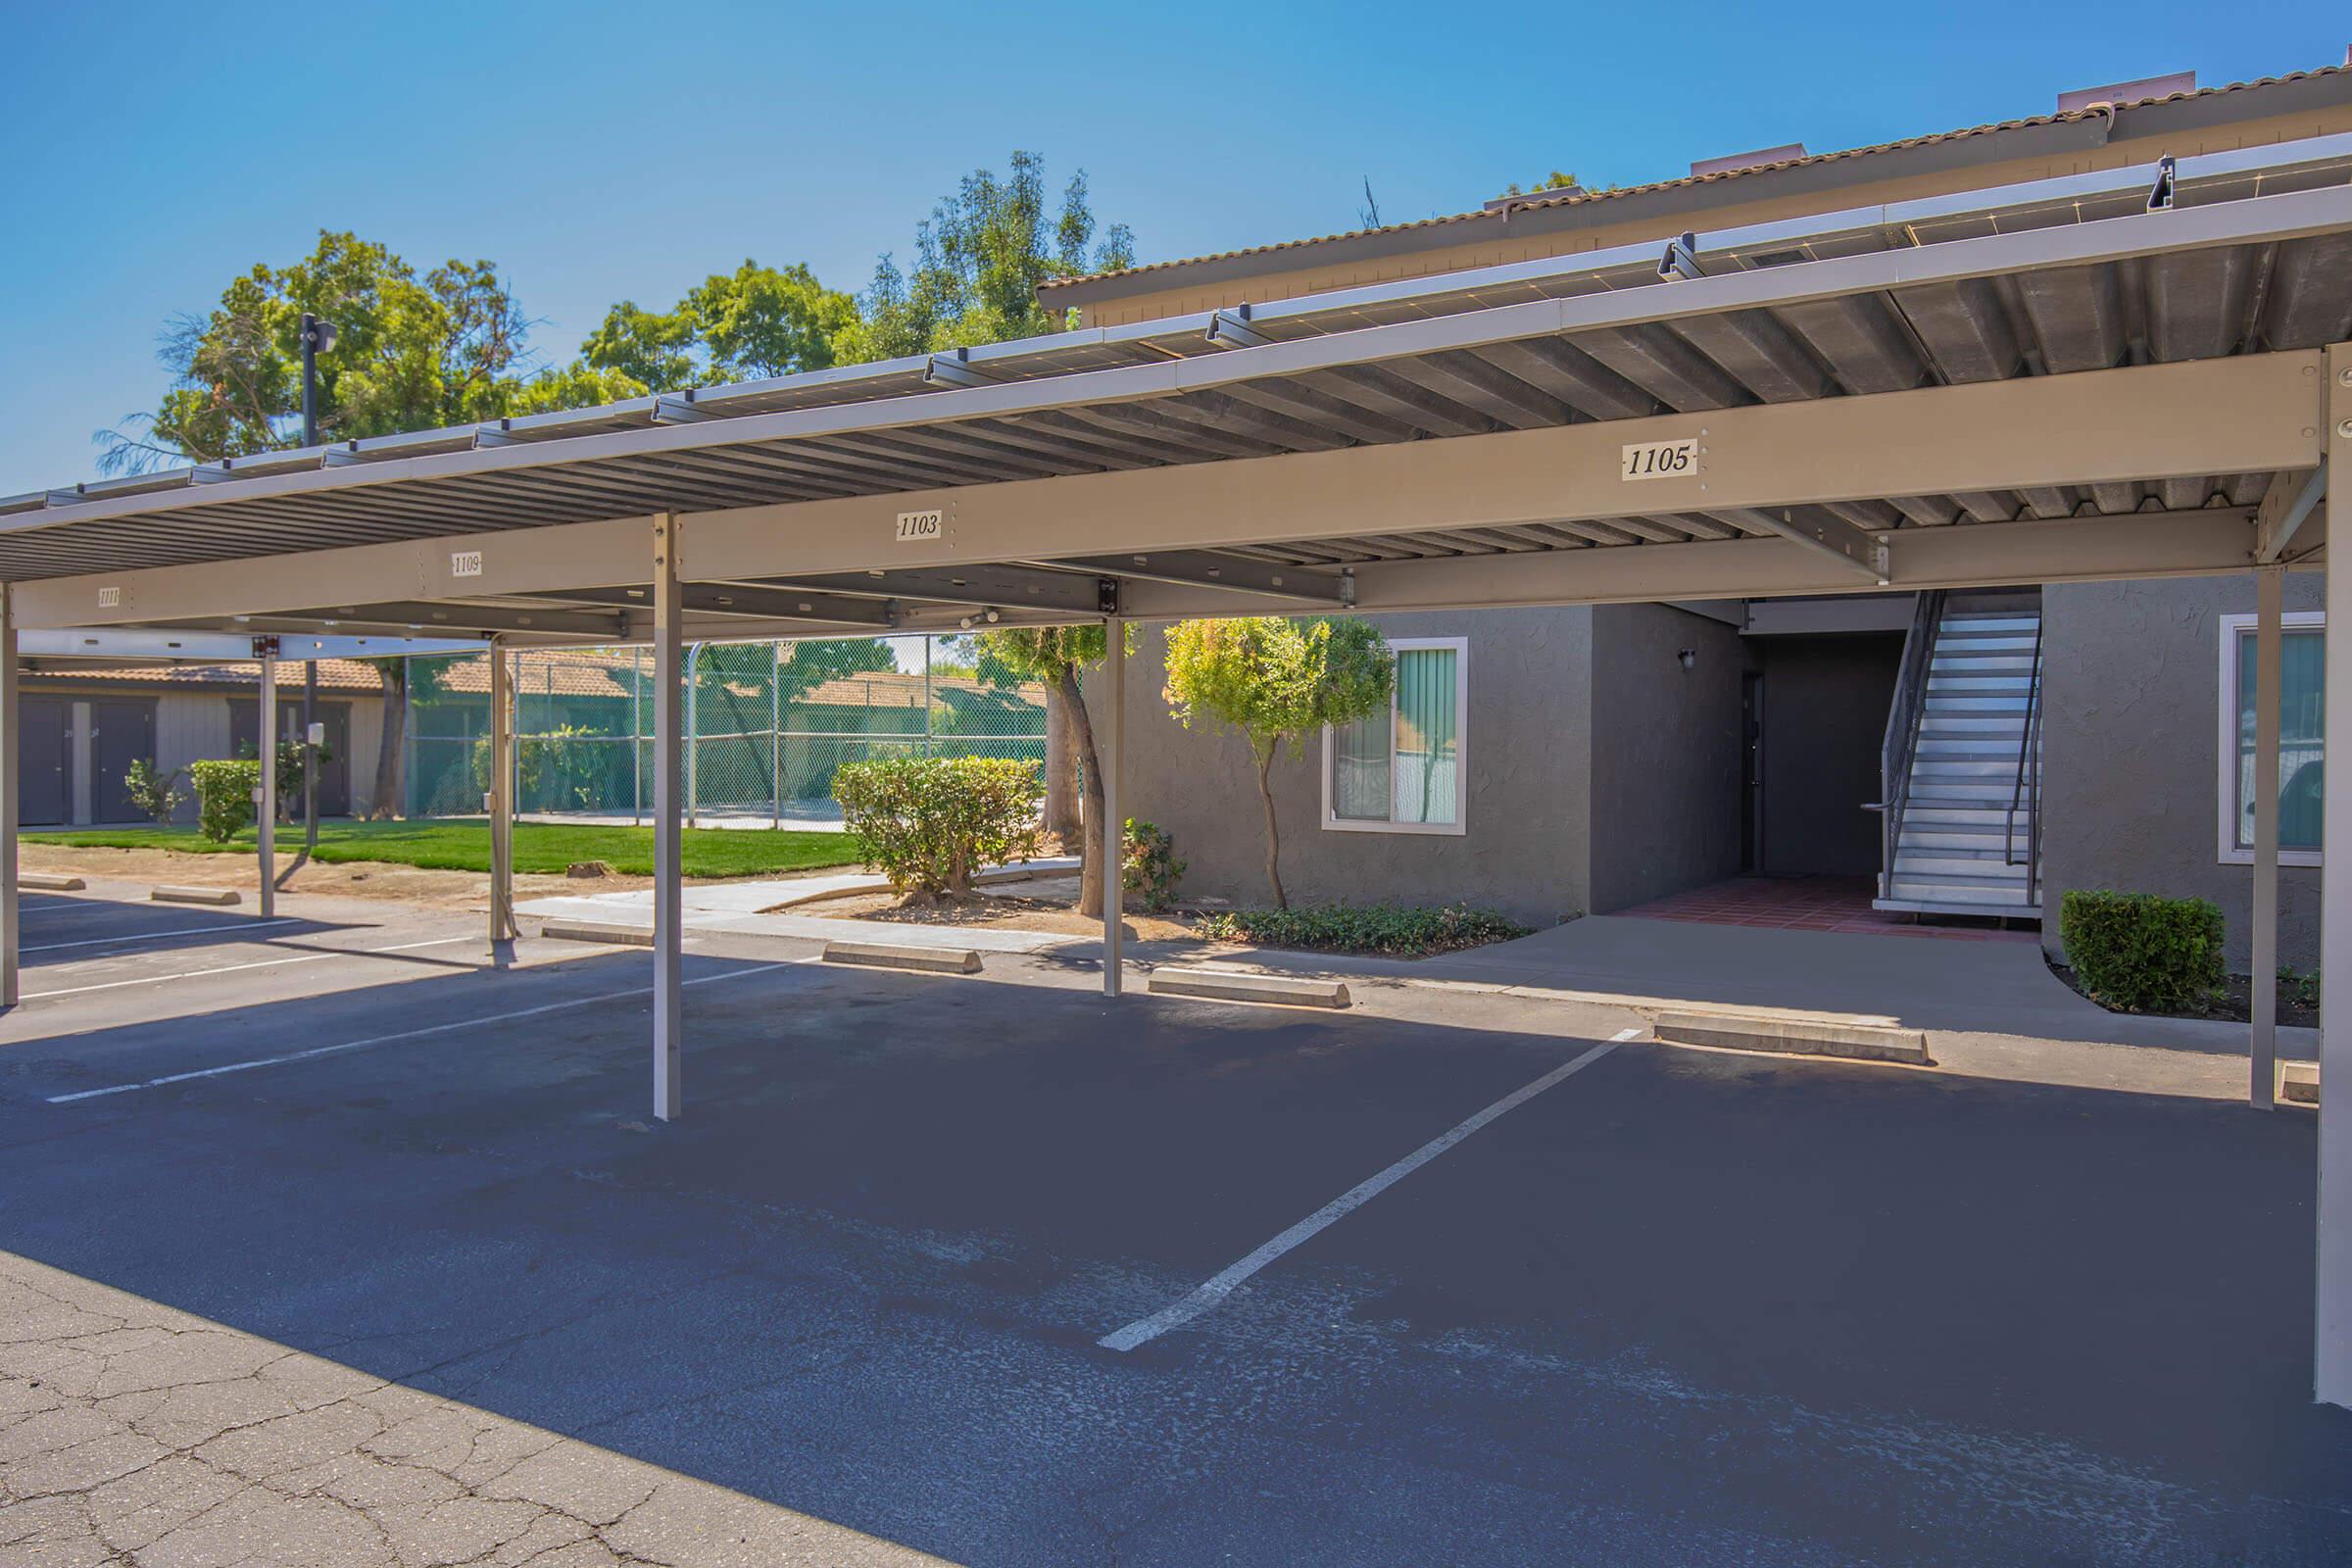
[1679, 1306]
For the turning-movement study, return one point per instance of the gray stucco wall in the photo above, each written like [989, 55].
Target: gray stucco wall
[1526, 805]
[2132, 676]
[1825, 719]
[1665, 753]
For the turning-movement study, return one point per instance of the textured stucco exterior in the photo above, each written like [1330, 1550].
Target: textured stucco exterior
[2130, 763]
[1665, 754]
[1527, 805]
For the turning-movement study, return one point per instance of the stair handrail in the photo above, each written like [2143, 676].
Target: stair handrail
[2028, 779]
[1901, 742]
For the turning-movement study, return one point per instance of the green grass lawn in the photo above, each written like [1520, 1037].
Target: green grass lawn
[464, 846]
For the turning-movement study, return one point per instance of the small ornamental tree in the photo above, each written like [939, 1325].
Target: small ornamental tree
[156, 795]
[1058, 655]
[1276, 680]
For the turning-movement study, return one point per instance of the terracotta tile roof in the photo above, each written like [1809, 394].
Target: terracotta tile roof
[901, 689]
[1593, 197]
[342, 677]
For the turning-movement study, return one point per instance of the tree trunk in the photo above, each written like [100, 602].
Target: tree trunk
[387, 752]
[1063, 818]
[1265, 791]
[1082, 736]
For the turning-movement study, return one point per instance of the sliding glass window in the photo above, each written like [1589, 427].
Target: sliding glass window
[1401, 771]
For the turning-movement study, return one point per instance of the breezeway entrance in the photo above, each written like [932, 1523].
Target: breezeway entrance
[2068, 381]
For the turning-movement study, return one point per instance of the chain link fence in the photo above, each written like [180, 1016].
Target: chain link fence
[766, 726]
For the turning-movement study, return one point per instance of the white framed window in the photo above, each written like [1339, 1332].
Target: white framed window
[2302, 754]
[1404, 771]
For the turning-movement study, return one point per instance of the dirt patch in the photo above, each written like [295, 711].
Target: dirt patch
[2298, 1001]
[1000, 911]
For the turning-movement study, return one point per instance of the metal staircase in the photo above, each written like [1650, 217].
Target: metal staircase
[1961, 765]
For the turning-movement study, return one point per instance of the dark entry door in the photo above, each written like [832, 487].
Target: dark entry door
[1751, 771]
[121, 732]
[45, 761]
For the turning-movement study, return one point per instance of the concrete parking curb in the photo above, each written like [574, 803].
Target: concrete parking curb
[50, 882]
[2298, 1083]
[1805, 1037]
[893, 956]
[215, 896]
[1224, 985]
[627, 936]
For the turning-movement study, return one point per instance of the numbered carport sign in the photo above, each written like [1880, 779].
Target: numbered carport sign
[1661, 460]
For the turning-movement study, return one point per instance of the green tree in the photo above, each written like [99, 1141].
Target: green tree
[978, 260]
[412, 353]
[760, 322]
[1058, 655]
[1274, 680]
[654, 352]
[746, 325]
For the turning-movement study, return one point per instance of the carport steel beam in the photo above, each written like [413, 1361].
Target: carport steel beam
[2251, 414]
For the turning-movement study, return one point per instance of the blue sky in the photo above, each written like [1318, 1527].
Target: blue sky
[597, 152]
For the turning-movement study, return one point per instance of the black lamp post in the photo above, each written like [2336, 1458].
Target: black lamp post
[317, 337]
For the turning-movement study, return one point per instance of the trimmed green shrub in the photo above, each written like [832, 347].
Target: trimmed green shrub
[1149, 865]
[224, 796]
[2140, 953]
[929, 822]
[1384, 929]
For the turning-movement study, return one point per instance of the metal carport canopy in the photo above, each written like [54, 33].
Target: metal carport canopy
[1934, 399]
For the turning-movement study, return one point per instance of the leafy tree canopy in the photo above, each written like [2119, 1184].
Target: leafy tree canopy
[978, 260]
[412, 353]
[1276, 679]
[450, 346]
[1016, 655]
[746, 325]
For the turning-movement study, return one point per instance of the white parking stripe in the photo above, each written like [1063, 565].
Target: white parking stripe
[1145, 1330]
[158, 936]
[410, 1034]
[258, 963]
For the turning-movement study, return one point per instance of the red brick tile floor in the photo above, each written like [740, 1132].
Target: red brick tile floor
[1815, 903]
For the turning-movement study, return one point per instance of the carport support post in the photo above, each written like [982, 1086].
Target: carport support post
[2331, 1358]
[501, 805]
[9, 718]
[1111, 836]
[2263, 1040]
[669, 866]
[267, 732]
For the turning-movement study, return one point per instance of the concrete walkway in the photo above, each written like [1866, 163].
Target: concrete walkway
[761, 908]
[1989, 1008]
